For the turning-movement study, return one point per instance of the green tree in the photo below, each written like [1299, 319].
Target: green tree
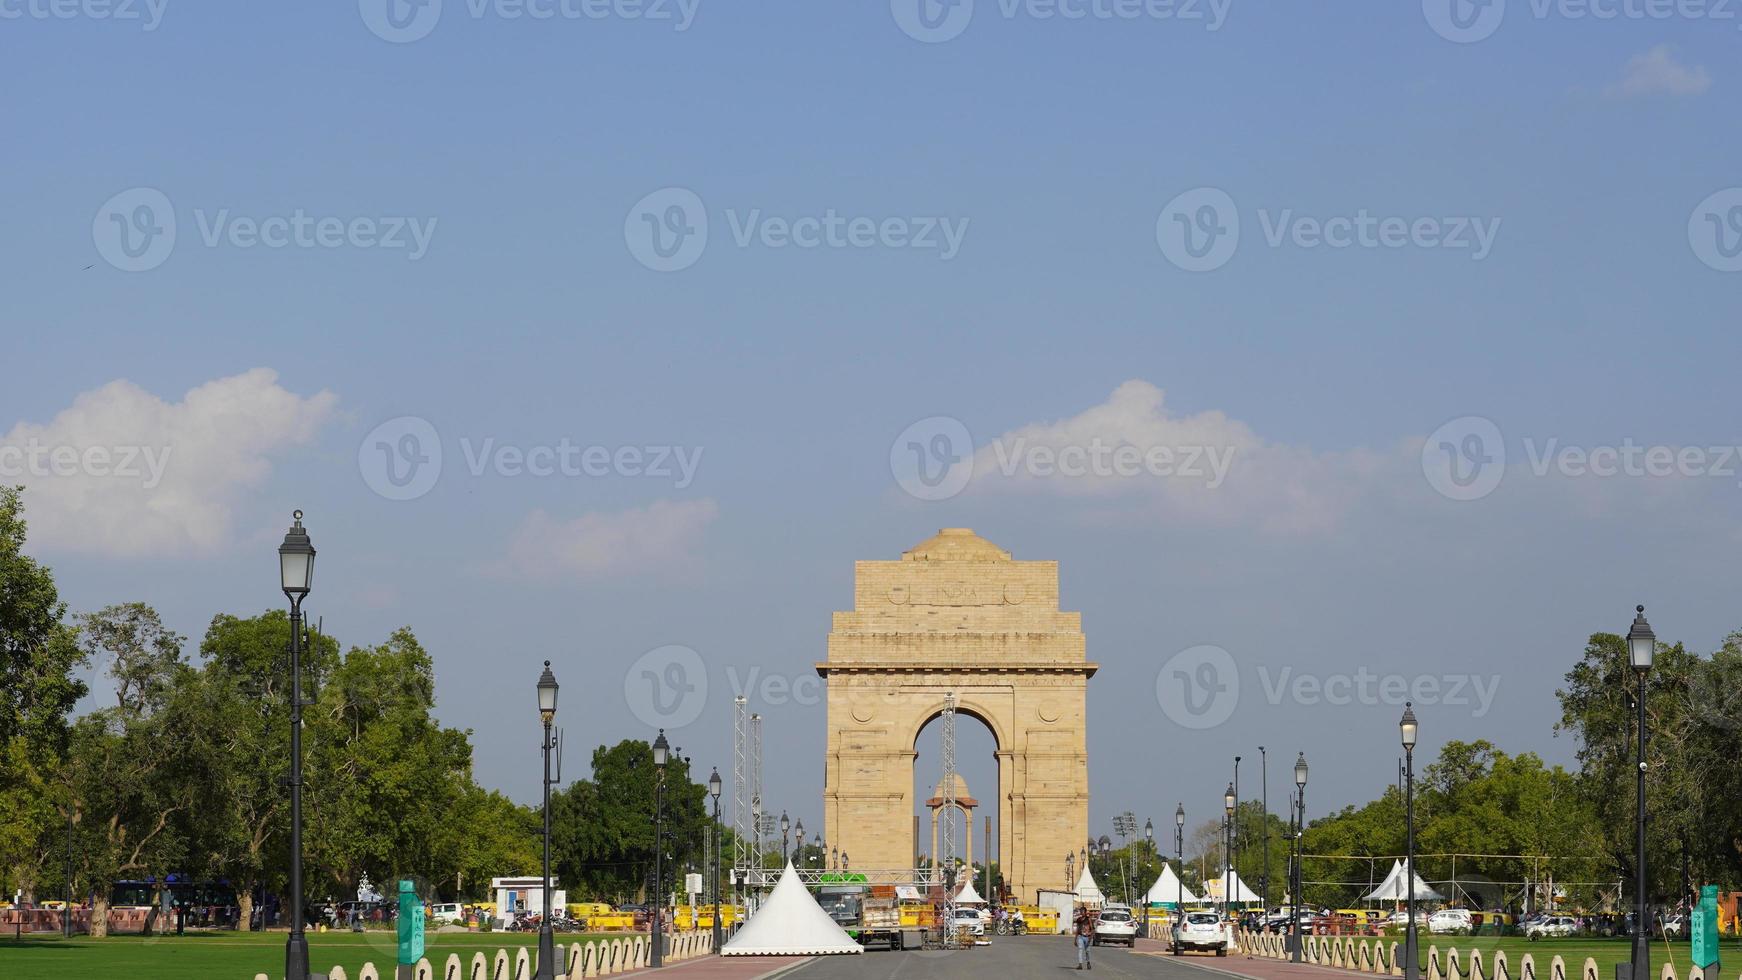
[382, 776]
[38, 657]
[133, 776]
[602, 828]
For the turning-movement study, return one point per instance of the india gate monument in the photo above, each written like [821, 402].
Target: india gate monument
[956, 614]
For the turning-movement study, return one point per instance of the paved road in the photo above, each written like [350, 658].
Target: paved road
[1009, 958]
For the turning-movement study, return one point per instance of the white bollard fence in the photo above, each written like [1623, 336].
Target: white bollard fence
[599, 958]
[1381, 956]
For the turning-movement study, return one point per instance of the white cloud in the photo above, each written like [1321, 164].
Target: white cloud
[1656, 72]
[122, 472]
[1205, 467]
[658, 538]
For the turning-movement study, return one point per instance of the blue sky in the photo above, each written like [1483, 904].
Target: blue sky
[1056, 148]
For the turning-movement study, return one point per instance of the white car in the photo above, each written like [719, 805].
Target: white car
[1115, 924]
[1200, 930]
[970, 919]
[1401, 918]
[446, 913]
[1551, 925]
[1452, 921]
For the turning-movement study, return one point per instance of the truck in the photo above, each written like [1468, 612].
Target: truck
[881, 923]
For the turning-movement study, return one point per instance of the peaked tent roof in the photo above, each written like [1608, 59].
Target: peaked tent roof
[1168, 888]
[1240, 892]
[968, 896]
[1088, 892]
[1394, 888]
[790, 923]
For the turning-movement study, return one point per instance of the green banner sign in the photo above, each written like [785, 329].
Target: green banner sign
[1704, 929]
[410, 925]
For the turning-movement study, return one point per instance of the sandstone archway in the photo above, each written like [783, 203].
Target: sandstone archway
[957, 615]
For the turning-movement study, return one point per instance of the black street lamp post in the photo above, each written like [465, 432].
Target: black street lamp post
[1228, 800]
[661, 749]
[1641, 648]
[714, 831]
[1411, 966]
[1149, 837]
[1294, 889]
[296, 569]
[785, 838]
[547, 688]
[1176, 920]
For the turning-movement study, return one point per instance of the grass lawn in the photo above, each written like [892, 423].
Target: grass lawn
[1607, 952]
[235, 955]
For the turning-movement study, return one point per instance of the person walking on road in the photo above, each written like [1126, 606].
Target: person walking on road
[1085, 931]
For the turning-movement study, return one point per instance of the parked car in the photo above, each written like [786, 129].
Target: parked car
[1674, 926]
[1200, 930]
[447, 913]
[967, 918]
[1115, 925]
[1450, 921]
[1400, 919]
[1551, 925]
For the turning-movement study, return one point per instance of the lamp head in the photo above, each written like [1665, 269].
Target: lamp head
[1179, 815]
[1407, 726]
[296, 560]
[1228, 800]
[547, 688]
[714, 784]
[1641, 642]
[1300, 770]
[661, 749]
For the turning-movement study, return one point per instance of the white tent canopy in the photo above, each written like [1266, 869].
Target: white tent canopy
[1088, 892]
[968, 896]
[1395, 888]
[1238, 893]
[1169, 889]
[790, 923]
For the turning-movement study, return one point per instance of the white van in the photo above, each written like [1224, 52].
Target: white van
[447, 913]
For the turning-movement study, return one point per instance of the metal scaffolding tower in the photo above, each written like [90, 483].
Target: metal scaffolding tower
[756, 807]
[740, 795]
[946, 856]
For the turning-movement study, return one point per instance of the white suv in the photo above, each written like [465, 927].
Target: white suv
[1551, 925]
[1115, 925]
[1200, 930]
[1455, 921]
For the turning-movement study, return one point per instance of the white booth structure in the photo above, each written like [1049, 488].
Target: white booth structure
[523, 895]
